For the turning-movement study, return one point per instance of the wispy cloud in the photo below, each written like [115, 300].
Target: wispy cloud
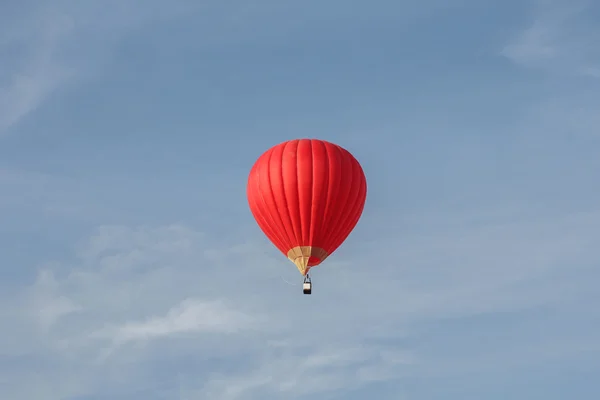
[310, 370]
[572, 114]
[190, 316]
[33, 68]
[560, 39]
[123, 277]
[53, 45]
[47, 302]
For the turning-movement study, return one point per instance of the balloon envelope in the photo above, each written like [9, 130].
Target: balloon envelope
[307, 195]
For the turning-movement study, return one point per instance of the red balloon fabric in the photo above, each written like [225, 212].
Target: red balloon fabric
[307, 195]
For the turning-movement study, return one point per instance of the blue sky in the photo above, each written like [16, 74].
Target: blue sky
[131, 267]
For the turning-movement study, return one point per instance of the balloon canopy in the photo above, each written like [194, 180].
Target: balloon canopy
[307, 195]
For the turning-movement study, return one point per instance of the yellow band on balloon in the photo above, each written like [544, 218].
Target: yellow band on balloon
[300, 255]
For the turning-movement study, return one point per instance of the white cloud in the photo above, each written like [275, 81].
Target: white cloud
[38, 71]
[190, 316]
[309, 370]
[47, 303]
[560, 39]
[572, 114]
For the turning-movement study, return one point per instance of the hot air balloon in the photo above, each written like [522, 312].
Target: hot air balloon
[307, 195]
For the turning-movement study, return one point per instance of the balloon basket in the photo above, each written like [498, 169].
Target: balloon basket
[307, 286]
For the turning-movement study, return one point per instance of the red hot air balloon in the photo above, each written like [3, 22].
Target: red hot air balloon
[307, 195]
